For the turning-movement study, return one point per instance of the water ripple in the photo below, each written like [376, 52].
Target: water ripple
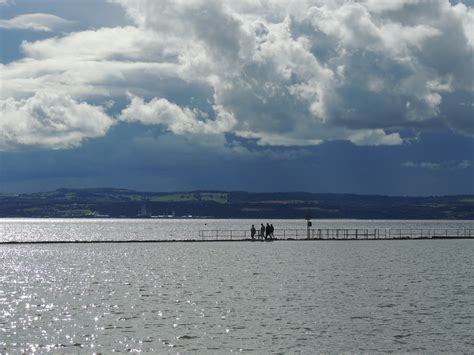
[279, 298]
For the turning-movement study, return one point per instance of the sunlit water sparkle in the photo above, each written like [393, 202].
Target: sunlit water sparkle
[263, 297]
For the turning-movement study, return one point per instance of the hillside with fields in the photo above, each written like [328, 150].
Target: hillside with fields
[123, 203]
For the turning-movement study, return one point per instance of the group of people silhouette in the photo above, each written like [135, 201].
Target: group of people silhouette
[265, 232]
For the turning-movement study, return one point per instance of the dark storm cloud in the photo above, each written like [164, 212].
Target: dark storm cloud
[134, 156]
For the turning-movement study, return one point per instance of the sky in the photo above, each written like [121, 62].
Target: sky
[364, 97]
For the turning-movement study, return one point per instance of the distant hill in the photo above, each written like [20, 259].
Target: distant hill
[110, 202]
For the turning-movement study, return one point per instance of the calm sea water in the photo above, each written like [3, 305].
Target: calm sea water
[25, 229]
[260, 297]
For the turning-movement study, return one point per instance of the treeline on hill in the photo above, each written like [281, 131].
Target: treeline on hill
[219, 204]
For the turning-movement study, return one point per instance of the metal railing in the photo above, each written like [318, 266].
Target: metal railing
[339, 234]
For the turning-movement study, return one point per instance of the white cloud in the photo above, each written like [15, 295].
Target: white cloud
[281, 73]
[34, 22]
[106, 63]
[375, 137]
[49, 120]
[113, 44]
[265, 139]
[178, 120]
[356, 66]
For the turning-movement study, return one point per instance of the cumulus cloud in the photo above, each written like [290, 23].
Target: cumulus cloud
[34, 22]
[278, 73]
[49, 120]
[178, 120]
[362, 66]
